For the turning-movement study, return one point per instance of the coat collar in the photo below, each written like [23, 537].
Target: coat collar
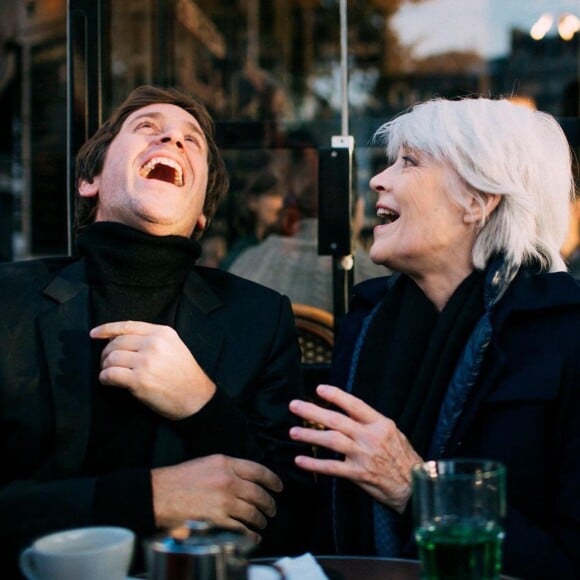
[531, 292]
[524, 290]
[65, 334]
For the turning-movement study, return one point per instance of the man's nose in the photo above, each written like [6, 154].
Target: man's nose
[172, 136]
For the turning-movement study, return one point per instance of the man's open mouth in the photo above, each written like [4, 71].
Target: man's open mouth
[163, 169]
[387, 216]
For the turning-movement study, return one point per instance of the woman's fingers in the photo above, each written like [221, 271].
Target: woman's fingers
[356, 412]
[353, 406]
[333, 467]
[333, 440]
[317, 415]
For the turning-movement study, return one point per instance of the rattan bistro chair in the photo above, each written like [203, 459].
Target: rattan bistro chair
[315, 333]
[316, 337]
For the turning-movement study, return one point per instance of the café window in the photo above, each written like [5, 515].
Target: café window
[271, 73]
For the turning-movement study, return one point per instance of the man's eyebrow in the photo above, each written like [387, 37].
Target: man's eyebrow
[157, 116]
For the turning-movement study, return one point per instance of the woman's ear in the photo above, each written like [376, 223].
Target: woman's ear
[477, 212]
[89, 188]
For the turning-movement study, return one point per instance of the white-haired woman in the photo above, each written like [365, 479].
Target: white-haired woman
[472, 348]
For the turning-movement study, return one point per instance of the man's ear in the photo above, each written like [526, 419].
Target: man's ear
[201, 223]
[89, 188]
[476, 212]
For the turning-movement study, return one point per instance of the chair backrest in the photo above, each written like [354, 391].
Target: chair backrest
[315, 333]
[316, 337]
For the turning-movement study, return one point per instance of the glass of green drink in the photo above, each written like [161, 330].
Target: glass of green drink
[459, 506]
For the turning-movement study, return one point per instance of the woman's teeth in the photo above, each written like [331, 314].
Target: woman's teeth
[387, 216]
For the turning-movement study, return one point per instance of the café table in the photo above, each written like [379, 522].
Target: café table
[367, 568]
[358, 567]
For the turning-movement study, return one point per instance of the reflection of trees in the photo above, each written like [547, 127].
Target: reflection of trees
[8, 26]
[297, 40]
[283, 57]
[374, 48]
[393, 53]
[451, 62]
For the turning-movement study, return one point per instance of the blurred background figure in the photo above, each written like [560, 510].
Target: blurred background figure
[364, 267]
[288, 260]
[264, 199]
[213, 248]
[571, 247]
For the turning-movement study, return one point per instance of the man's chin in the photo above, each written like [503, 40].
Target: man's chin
[160, 226]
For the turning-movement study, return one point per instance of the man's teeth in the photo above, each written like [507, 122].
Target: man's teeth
[153, 163]
[386, 215]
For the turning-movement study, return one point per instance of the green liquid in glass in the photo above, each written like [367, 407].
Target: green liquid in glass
[460, 552]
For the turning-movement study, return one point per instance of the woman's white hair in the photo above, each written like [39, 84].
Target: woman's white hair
[496, 146]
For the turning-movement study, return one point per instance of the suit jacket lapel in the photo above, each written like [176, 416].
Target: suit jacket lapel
[65, 333]
[203, 337]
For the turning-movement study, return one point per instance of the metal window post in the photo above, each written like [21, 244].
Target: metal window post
[87, 65]
[335, 192]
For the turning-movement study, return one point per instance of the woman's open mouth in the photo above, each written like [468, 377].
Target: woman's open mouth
[387, 216]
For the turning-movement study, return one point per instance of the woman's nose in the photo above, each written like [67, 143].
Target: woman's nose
[380, 182]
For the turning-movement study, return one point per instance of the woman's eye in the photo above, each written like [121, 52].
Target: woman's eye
[408, 161]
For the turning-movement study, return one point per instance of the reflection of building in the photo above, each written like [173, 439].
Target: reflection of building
[40, 133]
[395, 93]
[545, 69]
[262, 67]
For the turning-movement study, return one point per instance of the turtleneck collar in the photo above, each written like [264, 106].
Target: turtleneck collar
[120, 254]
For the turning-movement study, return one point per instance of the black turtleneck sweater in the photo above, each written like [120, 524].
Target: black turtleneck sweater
[132, 276]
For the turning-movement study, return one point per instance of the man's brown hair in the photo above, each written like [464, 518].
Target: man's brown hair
[91, 156]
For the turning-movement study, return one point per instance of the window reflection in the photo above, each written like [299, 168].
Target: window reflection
[269, 71]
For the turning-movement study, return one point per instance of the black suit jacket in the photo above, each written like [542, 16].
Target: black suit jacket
[241, 334]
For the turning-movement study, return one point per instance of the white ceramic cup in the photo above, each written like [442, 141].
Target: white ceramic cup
[91, 553]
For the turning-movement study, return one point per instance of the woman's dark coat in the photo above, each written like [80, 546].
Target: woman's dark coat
[524, 411]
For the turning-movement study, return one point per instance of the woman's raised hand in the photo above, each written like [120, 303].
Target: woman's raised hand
[374, 453]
